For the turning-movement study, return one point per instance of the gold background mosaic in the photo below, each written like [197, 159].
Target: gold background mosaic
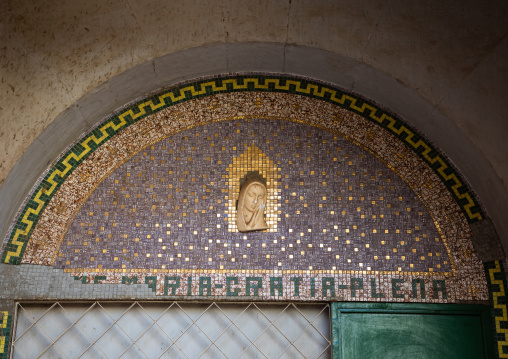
[465, 278]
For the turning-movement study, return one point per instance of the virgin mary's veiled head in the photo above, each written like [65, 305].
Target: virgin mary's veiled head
[251, 206]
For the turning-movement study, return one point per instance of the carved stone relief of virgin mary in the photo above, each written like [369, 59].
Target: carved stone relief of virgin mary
[251, 207]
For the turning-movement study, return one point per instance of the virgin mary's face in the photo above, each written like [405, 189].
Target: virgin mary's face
[254, 197]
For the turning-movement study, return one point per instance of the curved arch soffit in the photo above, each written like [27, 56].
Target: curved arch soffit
[39, 228]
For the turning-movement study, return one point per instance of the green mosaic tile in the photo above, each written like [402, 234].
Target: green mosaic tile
[30, 214]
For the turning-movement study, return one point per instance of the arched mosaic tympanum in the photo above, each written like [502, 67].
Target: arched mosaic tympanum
[359, 206]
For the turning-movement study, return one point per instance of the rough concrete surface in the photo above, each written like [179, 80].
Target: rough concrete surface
[67, 59]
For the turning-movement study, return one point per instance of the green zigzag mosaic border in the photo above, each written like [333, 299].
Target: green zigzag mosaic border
[496, 281]
[5, 331]
[40, 197]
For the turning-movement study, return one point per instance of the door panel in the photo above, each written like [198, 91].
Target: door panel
[408, 331]
[416, 336]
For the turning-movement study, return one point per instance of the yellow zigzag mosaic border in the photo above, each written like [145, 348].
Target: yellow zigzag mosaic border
[502, 332]
[5, 329]
[28, 218]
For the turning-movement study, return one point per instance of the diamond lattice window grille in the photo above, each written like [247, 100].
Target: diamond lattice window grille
[171, 330]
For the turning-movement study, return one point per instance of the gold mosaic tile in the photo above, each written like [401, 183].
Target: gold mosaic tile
[292, 163]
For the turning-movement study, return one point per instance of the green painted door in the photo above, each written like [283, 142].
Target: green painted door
[393, 331]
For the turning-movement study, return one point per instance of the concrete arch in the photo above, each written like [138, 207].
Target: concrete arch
[347, 73]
